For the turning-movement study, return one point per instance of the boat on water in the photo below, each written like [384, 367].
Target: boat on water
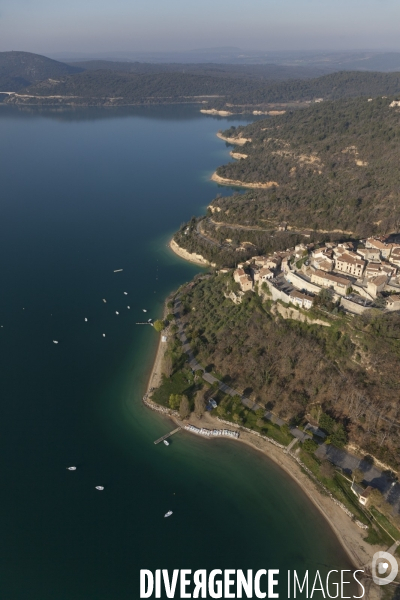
[128, 307]
[117, 270]
[104, 335]
[149, 320]
[166, 442]
[144, 309]
[85, 319]
[71, 468]
[100, 487]
[55, 342]
[126, 293]
[168, 514]
[116, 312]
[104, 300]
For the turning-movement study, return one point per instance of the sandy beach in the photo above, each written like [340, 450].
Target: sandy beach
[258, 185]
[197, 259]
[238, 141]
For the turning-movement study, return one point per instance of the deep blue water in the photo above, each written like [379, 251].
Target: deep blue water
[83, 193]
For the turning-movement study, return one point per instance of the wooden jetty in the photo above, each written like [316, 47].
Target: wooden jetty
[146, 323]
[167, 435]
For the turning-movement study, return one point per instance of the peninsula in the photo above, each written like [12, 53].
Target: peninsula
[291, 339]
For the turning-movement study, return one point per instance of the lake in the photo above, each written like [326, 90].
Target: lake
[85, 192]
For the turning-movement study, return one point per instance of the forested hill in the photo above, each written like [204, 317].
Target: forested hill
[262, 72]
[20, 69]
[229, 90]
[344, 84]
[335, 166]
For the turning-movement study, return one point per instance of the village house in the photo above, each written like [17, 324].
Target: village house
[266, 273]
[369, 253]
[376, 285]
[362, 495]
[301, 299]
[246, 283]
[327, 280]
[237, 274]
[395, 256]
[375, 244]
[282, 226]
[325, 265]
[350, 263]
[393, 302]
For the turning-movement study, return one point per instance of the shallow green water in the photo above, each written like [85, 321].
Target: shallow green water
[83, 193]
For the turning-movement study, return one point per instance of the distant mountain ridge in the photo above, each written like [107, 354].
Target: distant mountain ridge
[21, 69]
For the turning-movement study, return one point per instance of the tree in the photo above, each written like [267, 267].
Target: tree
[376, 498]
[358, 475]
[339, 437]
[158, 325]
[326, 469]
[310, 446]
[168, 365]
[184, 408]
[199, 405]
[174, 401]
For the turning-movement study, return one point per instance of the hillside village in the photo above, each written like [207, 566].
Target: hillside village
[359, 275]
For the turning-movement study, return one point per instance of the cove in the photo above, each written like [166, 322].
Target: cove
[85, 192]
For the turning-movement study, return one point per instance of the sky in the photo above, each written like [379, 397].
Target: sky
[51, 26]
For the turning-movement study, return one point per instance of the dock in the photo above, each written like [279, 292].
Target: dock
[145, 323]
[167, 435]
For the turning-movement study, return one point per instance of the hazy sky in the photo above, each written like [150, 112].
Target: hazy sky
[48, 26]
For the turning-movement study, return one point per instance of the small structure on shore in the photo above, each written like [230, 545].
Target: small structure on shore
[362, 495]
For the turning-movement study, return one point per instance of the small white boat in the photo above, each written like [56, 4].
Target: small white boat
[100, 487]
[166, 442]
[128, 307]
[85, 319]
[168, 514]
[55, 342]
[117, 270]
[104, 300]
[116, 312]
[149, 320]
[104, 335]
[126, 293]
[71, 468]
[144, 309]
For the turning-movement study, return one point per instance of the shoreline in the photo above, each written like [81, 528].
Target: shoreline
[197, 259]
[236, 182]
[348, 534]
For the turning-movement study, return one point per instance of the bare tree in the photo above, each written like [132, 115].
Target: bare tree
[167, 365]
[199, 404]
[184, 408]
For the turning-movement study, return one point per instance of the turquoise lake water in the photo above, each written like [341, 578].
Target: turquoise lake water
[83, 193]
